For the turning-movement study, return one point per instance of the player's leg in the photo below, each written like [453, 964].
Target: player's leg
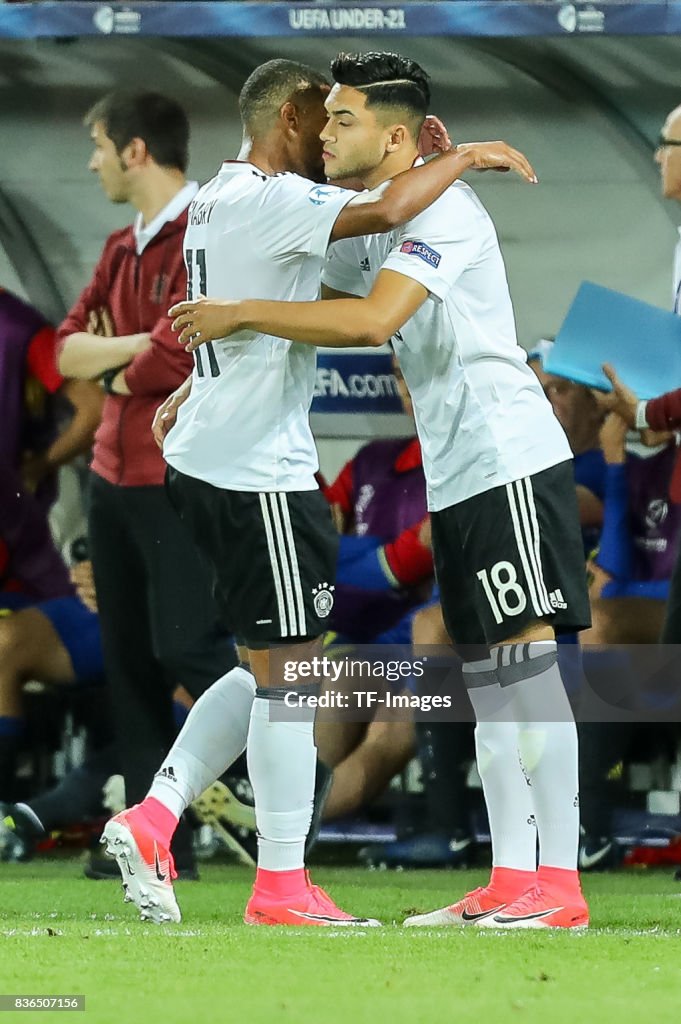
[197, 651]
[215, 731]
[230, 529]
[539, 585]
[504, 784]
[286, 602]
[527, 669]
[518, 551]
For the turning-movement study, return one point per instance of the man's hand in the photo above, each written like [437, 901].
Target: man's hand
[498, 156]
[166, 414]
[623, 401]
[654, 438]
[204, 320]
[433, 137]
[99, 322]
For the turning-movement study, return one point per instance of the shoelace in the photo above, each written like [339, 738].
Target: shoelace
[526, 904]
[474, 894]
[326, 904]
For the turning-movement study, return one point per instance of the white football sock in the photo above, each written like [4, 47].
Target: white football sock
[282, 760]
[505, 786]
[210, 740]
[549, 751]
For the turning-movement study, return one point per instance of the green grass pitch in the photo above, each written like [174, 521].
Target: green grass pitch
[62, 933]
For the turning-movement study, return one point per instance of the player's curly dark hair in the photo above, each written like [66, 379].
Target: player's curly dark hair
[270, 86]
[388, 80]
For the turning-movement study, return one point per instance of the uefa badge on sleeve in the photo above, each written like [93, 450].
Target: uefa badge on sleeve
[323, 599]
[321, 194]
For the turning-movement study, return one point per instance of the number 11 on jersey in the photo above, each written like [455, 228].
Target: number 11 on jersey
[196, 263]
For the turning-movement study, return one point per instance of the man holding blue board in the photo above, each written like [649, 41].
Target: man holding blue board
[663, 412]
[603, 326]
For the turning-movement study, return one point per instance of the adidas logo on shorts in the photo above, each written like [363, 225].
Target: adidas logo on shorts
[557, 600]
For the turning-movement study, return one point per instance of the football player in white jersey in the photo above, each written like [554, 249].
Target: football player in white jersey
[242, 465]
[503, 509]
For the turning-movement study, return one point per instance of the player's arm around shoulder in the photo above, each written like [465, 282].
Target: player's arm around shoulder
[437, 246]
[337, 323]
[395, 202]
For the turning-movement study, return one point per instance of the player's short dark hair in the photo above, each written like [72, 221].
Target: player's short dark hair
[270, 86]
[388, 80]
[159, 121]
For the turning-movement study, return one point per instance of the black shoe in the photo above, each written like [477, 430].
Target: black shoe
[20, 829]
[102, 868]
[323, 781]
[598, 853]
[429, 850]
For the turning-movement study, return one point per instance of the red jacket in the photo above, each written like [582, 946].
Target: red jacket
[137, 291]
[664, 413]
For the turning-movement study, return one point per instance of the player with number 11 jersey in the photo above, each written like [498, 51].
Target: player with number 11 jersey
[245, 425]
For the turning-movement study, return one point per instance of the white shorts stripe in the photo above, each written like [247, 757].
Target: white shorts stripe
[293, 555]
[529, 541]
[276, 575]
[284, 566]
[544, 594]
[520, 541]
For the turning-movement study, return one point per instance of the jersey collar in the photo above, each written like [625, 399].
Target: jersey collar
[145, 234]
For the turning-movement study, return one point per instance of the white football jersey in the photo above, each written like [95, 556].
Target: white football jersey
[481, 416]
[245, 425]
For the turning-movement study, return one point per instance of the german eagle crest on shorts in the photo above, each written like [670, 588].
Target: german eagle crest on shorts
[323, 599]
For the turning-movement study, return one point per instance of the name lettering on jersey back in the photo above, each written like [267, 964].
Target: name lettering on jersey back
[199, 213]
